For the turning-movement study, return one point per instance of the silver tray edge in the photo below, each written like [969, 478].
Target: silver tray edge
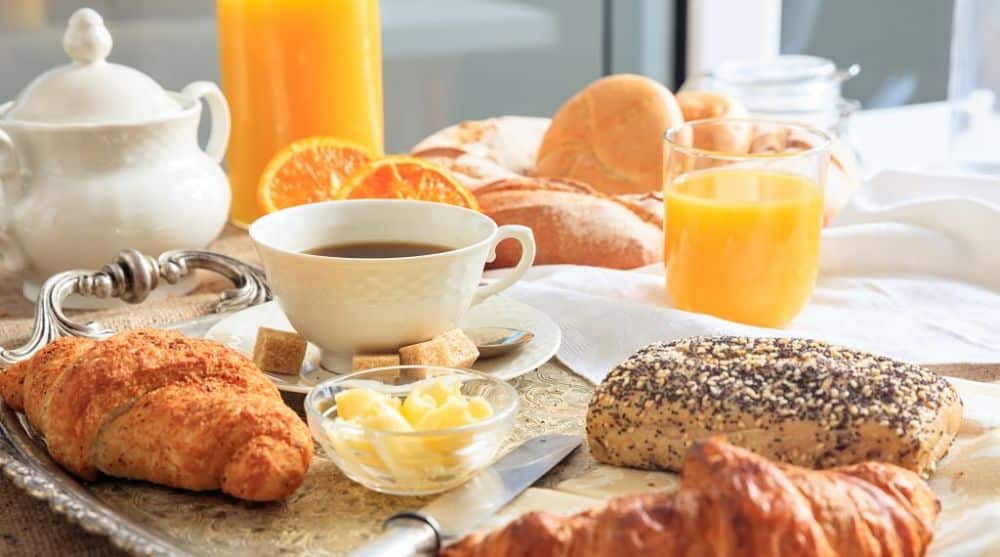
[36, 474]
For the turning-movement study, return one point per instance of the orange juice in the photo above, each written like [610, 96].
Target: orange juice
[743, 244]
[293, 69]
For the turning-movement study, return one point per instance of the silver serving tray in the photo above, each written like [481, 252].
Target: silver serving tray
[328, 515]
[131, 277]
[26, 463]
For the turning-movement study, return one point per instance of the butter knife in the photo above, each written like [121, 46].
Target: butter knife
[456, 513]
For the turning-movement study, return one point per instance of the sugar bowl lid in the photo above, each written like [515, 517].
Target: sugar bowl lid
[91, 90]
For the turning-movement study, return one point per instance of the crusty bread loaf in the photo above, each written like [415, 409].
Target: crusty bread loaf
[472, 170]
[481, 151]
[798, 401]
[610, 135]
[648, 204]
[573, 224]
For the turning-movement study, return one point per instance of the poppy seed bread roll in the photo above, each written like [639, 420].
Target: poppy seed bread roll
[798, 401]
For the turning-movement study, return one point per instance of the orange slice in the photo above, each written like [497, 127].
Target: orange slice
[307, 171]
[403, 177]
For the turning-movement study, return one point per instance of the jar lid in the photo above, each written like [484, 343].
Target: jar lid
[787, 69]
[91, 90]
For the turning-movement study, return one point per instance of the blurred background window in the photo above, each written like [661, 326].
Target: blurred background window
[904, 58]
[451, 60]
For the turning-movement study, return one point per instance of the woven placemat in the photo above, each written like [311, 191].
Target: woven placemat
[28, 527]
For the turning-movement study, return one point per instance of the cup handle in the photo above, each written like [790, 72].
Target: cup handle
[218, 140]
[526, 237]
[10, 173]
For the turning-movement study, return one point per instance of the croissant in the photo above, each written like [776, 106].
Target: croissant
[158, 406]
[735, 503]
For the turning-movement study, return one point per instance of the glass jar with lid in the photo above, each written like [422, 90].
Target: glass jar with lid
[798, 88]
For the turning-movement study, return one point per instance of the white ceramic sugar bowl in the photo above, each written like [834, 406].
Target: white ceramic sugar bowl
[96, 157]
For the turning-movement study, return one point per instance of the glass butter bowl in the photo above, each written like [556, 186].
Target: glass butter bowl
[410, 462]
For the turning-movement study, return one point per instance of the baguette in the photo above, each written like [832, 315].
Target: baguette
[573, 224]
[480, 151]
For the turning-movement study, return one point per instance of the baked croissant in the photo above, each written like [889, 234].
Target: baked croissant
[734, 503]
[158, 406]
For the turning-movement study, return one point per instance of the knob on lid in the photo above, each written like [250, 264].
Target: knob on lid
[91, 90]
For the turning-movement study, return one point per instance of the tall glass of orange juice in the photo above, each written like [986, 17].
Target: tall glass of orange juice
[743, 225]
[294, 69]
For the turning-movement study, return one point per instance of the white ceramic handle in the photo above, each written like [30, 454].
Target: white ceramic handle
[10, 172]
[218, 139]
[523, 235]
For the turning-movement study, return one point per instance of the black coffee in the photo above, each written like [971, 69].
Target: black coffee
[377, 250]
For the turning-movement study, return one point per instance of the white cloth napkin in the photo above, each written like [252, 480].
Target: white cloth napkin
[910, 269]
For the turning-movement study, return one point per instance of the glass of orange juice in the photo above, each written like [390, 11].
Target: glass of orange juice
[294, 69]
[743, 224]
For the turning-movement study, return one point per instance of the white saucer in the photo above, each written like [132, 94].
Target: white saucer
[239, 331]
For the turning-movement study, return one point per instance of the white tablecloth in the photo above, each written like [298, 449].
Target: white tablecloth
[910, 269]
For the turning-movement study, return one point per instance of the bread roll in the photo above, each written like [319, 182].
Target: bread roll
[843, 173]
[802, 402]
[732, 137]
[610, 135]
[573, 223]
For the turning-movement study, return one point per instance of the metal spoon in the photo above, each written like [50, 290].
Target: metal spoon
[496, 341]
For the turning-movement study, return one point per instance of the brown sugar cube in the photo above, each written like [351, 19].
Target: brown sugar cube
[449, 349]
[279, 351]
[370, 361]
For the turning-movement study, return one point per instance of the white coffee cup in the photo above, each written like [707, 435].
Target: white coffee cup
[349, 305]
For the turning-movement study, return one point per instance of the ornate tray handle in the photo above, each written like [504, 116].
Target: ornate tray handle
[131, 277]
